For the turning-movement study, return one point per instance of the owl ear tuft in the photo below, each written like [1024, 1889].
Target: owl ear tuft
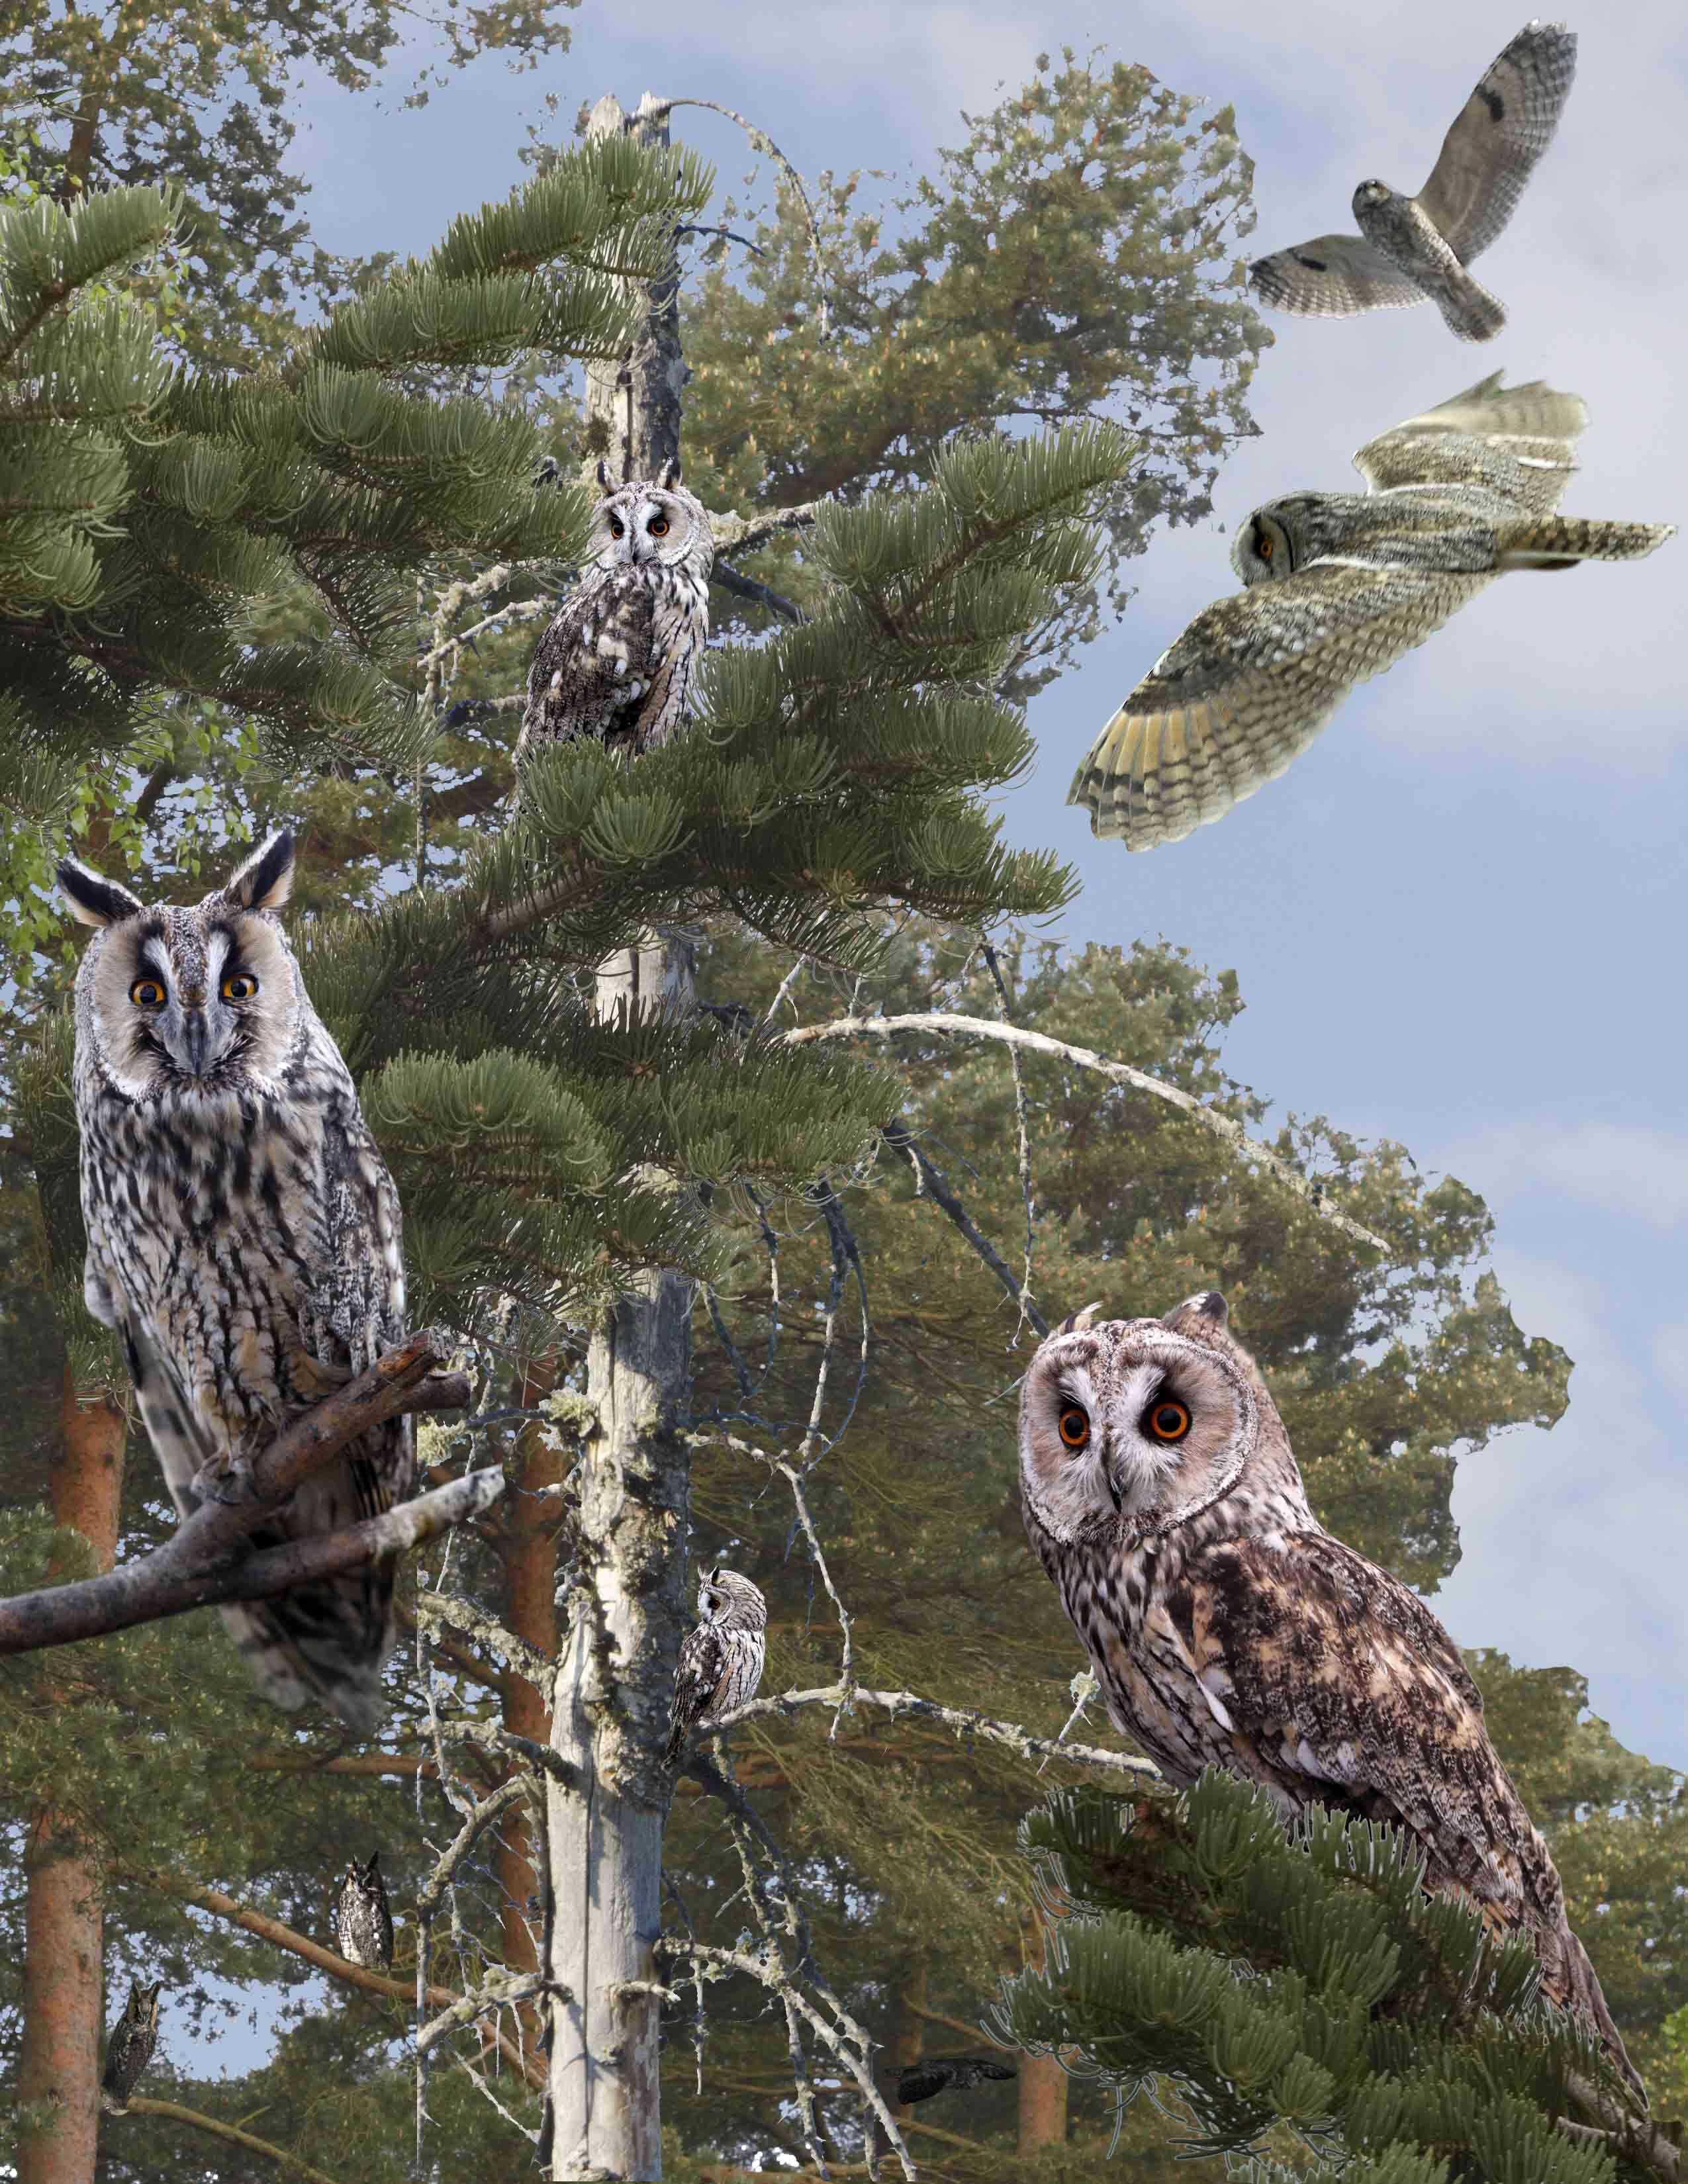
[1079, 1322]
[606, 484]
[265, 880]
[93, 899]
[671, 475]
[1207, 1304]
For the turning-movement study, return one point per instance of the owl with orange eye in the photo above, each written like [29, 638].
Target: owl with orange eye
[1227, 1628]
[620, 659]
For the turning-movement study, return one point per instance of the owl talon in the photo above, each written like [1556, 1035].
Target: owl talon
[226, 1479]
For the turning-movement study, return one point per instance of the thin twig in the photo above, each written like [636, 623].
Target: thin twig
[1314, 1192]
[761, 141]
[1022, 1126]
[931, 1181]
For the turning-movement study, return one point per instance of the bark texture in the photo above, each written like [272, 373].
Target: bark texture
[632, 401]
[1043, 2104]
[63, 1908]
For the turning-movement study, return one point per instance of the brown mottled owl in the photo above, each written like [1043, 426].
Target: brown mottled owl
[130, 2048]
[1337, 587]
[243, 1237]
[1228, 1628]
[619, 660]
[721, 1661]
[1411, 250]
[361, 1917]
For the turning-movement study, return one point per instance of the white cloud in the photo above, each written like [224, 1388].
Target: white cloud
[1621, 1168]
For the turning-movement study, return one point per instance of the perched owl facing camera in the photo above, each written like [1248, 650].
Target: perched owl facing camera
[1228, 1628]
[361, 1917]
[1414, 250]
[243, 1236]
[619, 658]
[130, 2048]
[1338, 586]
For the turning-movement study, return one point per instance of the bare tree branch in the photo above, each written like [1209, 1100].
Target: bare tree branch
[744, 534]
[150, 1590]
[761, 595]
[493, 1994]
[932, 1182]
[447, 1608]
[143, 2104]
[1315, 1194]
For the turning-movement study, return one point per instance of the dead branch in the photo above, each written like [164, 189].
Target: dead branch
[931, 1181]
[493, 1994]
[741, 586]
[526, 1660]
[150, 1590]
[143, 2104]
[964, 1723]
[744, 534]
[432, 1892]
[1313, 1192]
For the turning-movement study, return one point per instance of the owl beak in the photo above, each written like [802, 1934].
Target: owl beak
[196, 1038]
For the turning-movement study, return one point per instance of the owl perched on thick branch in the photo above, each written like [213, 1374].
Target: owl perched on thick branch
[1228, 1628]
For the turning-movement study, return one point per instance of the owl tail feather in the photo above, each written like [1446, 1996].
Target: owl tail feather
[1582, 1991]
[1560, 541]
[298, 1647]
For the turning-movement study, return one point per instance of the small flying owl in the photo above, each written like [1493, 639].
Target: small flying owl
[1410, 249]
[1339, 586]
[243, 1237]
[1227, 1628]
[130, 2048]
[944, 2074]
[361, 1917]
[720, 1662]
[619, 660]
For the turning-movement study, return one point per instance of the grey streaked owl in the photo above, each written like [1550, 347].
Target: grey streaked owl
[1229, 1629]
[1338, 586]
[130, 2047]
[721, 1661]
[243, 1236]
[619, 660]
[362, 1918]
[1410, 250]
[944, 2074]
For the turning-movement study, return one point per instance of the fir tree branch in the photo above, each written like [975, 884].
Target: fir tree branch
[173, 2111]
[151, 1590]
[1315, 1194]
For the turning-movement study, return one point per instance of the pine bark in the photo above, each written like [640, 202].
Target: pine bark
[1043, 2104]
[63, 1908]
[625, 1589]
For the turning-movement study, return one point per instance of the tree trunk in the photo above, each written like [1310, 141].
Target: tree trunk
[908, 2036]
[1043, 2104]
[64, 1913]
[626, 1591]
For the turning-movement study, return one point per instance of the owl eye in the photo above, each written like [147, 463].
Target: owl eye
[1168, 1421]
[147, 993]
[239, 986]
[1263, 546]
[1073, 1426]
[658, 526]
[618, 528]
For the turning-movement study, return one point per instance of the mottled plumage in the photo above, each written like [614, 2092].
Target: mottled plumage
[361, 1917]
[944, 2074]
[721, 1661]
[243, 1236]
[619, 660]
[1338, 586]
[130, 2048]
[1227, 1628]
[1411, 250]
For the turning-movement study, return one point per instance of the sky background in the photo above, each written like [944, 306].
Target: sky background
[1456, 921]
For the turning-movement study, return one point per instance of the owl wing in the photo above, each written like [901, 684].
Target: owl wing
[592, 666]
[1501, 130]
[702, 1661]
[1246, 688]
[1333, 276]
[1515, 442]
[919, 2082]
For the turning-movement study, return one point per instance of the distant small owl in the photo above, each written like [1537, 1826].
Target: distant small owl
[1339, 586]
[130, 2048]
[243, 1236]
[619, 660]
[1411, 249]
[945, 2074]
[1227, 1628]
[720, 1662]
[361, 1917]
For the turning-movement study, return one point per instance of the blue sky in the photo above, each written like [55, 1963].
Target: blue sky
[1456, 920]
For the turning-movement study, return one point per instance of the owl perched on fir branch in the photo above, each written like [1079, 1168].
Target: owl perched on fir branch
[243, 1237]
[1338, 586]
[1413, 250]
[1228, 1628]
[619, 660]
[130, 2048]
[720, 1662]
[362, 1918]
